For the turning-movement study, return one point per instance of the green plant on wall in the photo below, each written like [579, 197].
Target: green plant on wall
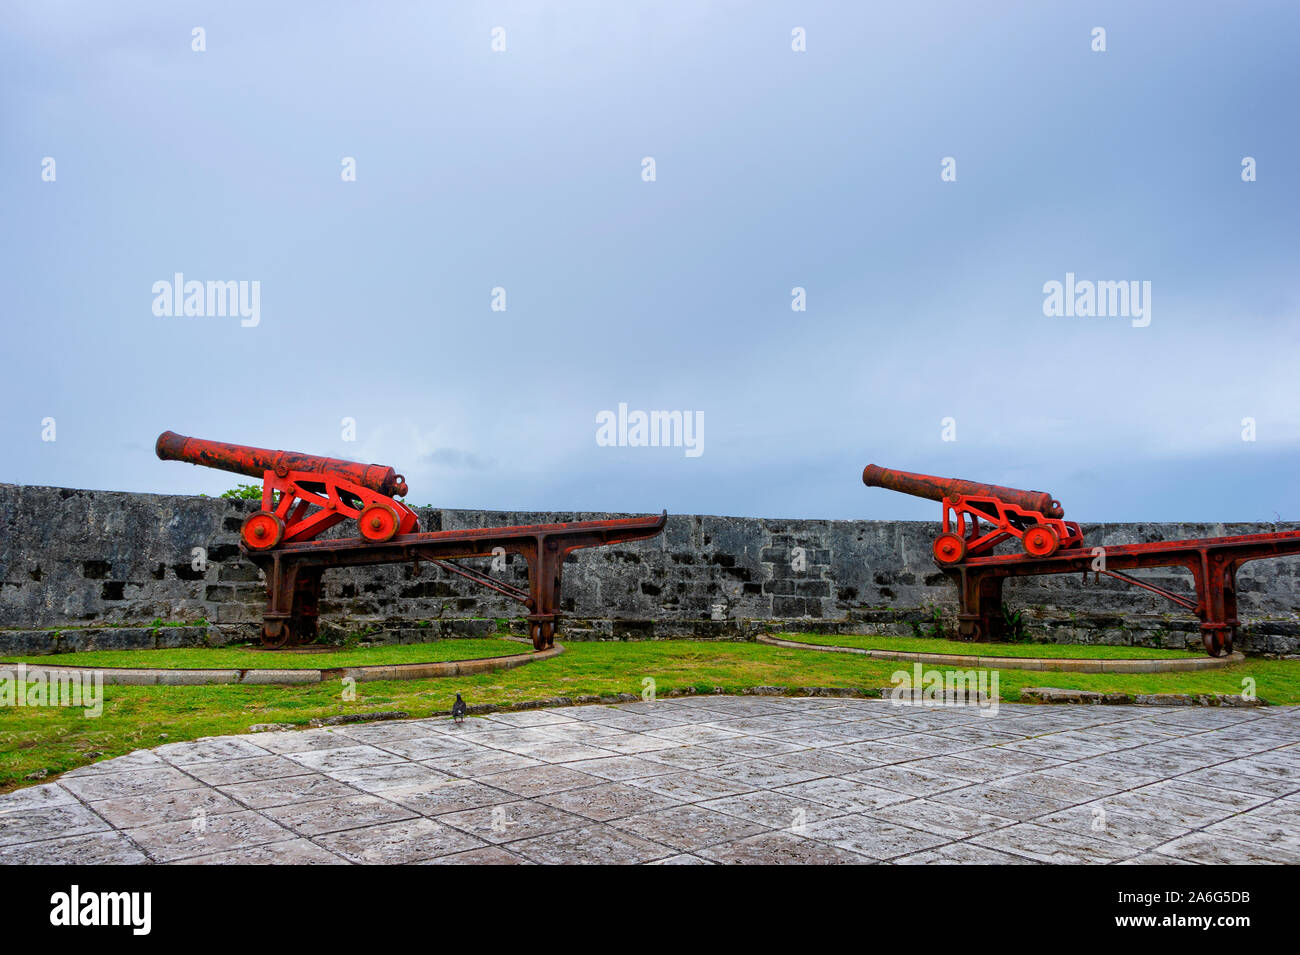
[1014, 630]
[244, 492]
[933, 626]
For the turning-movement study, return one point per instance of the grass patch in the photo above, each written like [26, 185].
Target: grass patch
[136, 717]
[1055, 651]
[438, 651]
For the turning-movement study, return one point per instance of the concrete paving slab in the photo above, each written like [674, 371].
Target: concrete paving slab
[288, 852]
[590, 845]
[696, 781]
[780, 848]
[171, 841]
[399, 843]
[613, 800]
[178, 805]
[334, 815]
[264, 793]
[48, 822]
[452, 795]
[512, 821]
[689, 827]
[872, 837]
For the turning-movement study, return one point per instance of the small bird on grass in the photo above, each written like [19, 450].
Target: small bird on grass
[458, 710]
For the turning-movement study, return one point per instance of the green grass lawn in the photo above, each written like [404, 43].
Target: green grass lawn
[136, 717]
[247, 659]
[969, 649]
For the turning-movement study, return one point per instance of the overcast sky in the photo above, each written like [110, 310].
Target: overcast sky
[774, 169]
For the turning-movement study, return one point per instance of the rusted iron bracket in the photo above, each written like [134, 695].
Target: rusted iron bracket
[480, 578]
[1145, 585]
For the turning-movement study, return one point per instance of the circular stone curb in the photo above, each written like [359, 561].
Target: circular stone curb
[157, 676]
[1065, 664]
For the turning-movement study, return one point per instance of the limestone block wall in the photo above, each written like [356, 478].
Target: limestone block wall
[82, 569]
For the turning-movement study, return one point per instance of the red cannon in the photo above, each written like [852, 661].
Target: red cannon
[292, 483]
[1032, 516]
[1055, 546]
[304, 495]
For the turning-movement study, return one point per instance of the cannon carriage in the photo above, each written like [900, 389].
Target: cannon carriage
[303, 496]
[1052, 545]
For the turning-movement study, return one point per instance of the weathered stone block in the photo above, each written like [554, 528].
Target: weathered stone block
[21, 643]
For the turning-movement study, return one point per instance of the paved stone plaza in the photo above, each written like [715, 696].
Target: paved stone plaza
[697, 780]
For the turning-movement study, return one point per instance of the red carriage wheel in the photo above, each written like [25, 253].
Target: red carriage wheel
[379, 523]
[1041, 541]
[262, 531]
[949, 548]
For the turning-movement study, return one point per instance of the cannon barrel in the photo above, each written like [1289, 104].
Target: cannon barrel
[254, 462]
[937, 488]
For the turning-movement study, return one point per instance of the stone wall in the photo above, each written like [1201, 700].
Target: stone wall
[84, 569]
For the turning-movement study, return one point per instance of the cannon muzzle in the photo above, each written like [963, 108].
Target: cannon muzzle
[937, 489]
[255, 462]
